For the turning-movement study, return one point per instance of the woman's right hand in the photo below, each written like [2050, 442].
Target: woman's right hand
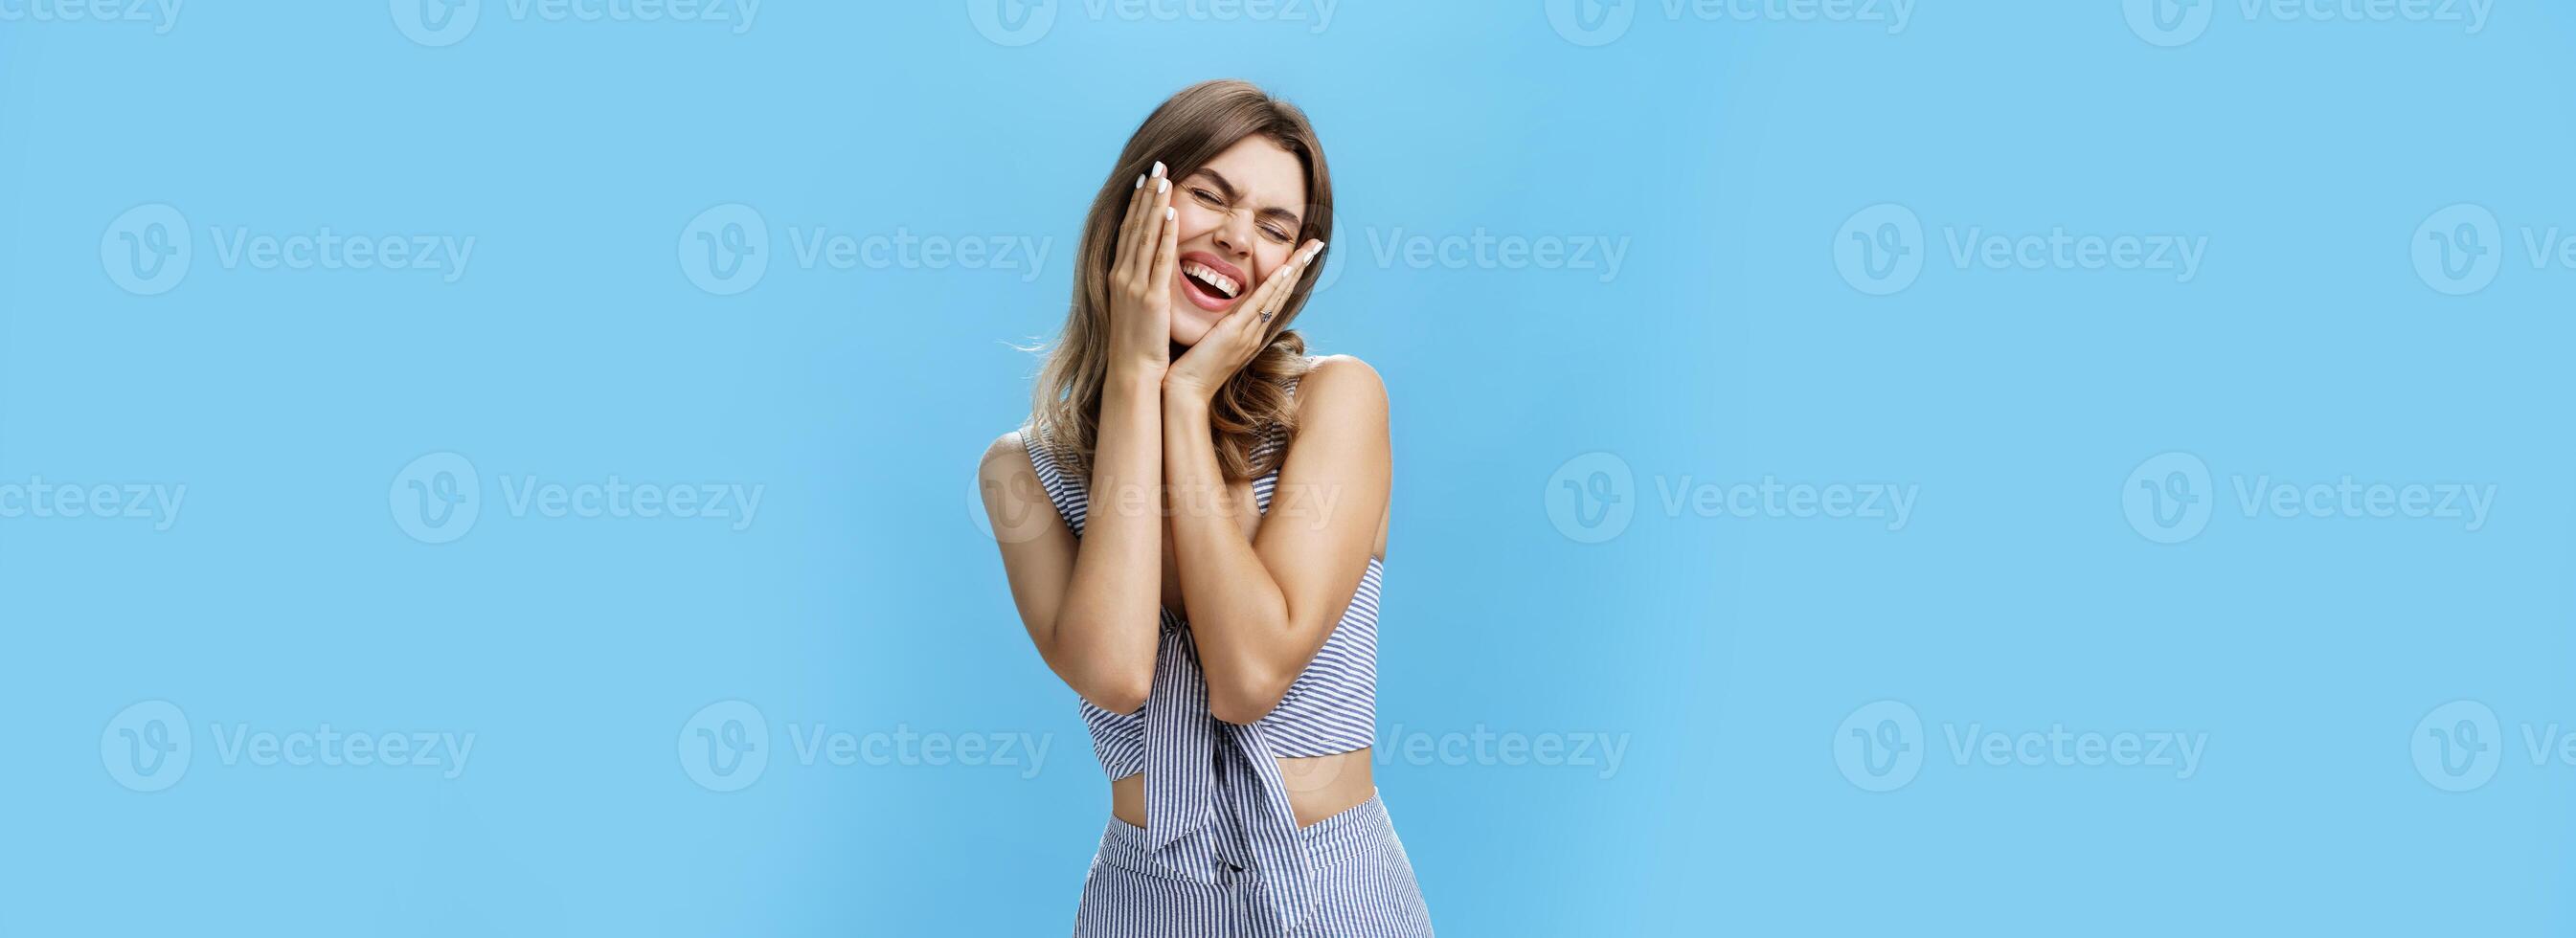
[1140, 278]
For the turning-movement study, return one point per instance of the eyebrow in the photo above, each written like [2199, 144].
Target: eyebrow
[1232, 194]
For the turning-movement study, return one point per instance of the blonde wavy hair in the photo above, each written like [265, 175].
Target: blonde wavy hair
[1183, 134]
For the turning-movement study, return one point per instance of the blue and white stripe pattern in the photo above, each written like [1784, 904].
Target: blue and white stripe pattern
[1363, 884]
[1222, 852]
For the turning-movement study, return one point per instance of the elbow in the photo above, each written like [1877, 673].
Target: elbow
[1112, 685]
[1246, 681]
[1113, 688]
[1245, 702]
[1122, 694]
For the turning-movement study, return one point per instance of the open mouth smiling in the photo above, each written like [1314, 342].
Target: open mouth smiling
[1211, 283]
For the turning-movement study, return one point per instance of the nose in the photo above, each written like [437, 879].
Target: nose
[1233, 234]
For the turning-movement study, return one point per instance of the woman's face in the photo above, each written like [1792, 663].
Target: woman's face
[1239, 218]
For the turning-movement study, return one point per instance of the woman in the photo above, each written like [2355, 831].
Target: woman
[1193, 523]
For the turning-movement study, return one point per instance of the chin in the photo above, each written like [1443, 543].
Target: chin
[1190, 324]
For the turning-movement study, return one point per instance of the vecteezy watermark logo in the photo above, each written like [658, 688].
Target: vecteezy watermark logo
[2168, 497]
[435, 23]
[2459, 745]
[436, 498]
[1879, 249]
[2459, 248]
[163, 15]
[147, 746]
[725, 249]
[1591, 497]
[1879, 747]
[1479, 249]
[1602, 752]
[725, 746]
[1591, 22]
[2169, 23]
[1012, 23]
[1024, 511]
[146, 250]
[1599, 22]
[819, 246]
[37, 498]
[819, 744]
[1772, 498]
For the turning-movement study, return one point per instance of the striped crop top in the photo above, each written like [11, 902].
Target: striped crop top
[1200, 770]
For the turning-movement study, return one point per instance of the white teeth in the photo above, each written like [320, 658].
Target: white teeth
[1221, 282]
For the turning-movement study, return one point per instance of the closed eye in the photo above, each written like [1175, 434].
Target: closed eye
[1212, 200]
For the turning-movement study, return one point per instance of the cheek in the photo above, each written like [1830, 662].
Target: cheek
[1194, 219]
[1266, 261]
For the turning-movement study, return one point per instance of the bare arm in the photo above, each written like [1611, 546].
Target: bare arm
[1261, 610]
[1091, 605]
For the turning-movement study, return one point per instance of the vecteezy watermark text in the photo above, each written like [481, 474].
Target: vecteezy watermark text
[1601, 22]
[2461, 745]
[436, 23]
[2172, 23]
[149, 746]
[438, 498]
[2461, 248]
[1013, 23]
[2169, 498]
[1880, 250]
[1880, 746]
[725, 746]
[1592, 497]
[1482, 746]
[149, 249]
[37, 498]
[726, 249]
[1027, 513]
[161, 15]
[1479, 249]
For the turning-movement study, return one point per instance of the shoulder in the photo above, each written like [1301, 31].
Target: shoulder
[1006, 459]
[1340, 387]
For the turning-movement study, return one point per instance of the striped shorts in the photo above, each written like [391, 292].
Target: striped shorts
[1366, 884]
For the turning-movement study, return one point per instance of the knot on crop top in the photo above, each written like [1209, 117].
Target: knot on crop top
[1201, 771]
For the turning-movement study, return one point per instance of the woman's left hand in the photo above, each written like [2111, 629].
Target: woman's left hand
[1231, 343]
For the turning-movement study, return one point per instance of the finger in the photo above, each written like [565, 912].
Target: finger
[1167, 249]
[1274, 292]
[1146, 221]
[1121, 245]
[1252, 320]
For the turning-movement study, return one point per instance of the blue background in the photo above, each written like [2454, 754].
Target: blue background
[1724, 652]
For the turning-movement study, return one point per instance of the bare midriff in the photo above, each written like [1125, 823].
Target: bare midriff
[1318, 787]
